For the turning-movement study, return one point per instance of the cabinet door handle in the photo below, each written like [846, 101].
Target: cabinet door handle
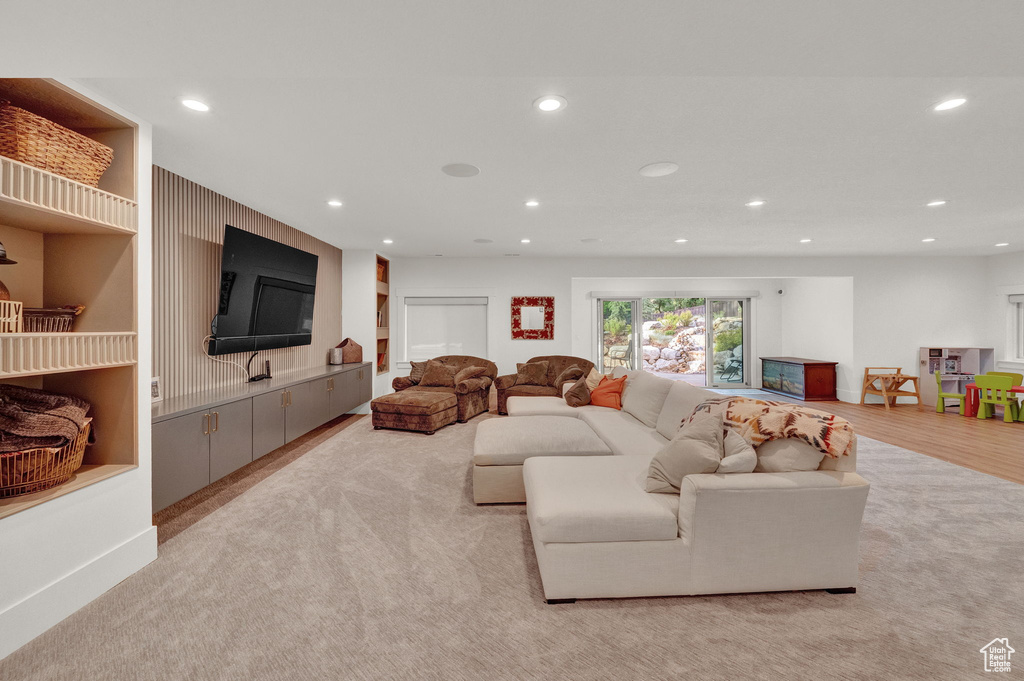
[284, 399]
[206, 424]
[289, 398]
[216, 421]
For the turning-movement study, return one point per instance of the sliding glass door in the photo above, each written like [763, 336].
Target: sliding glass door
[703, 341]
[727, 338]
[618, 333]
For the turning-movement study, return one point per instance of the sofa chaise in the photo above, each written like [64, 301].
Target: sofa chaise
[426, 408]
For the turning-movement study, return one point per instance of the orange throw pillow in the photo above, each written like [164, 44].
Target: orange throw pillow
[608, 393]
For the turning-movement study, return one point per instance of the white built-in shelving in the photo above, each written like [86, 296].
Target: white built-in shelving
[33, 354]
[77, 246]
[42, 201]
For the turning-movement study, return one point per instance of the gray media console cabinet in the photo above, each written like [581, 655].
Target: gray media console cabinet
[200, 438]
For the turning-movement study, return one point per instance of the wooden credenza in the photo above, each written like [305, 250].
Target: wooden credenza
[806, 379]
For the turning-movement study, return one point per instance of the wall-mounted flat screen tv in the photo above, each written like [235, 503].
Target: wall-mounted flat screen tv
[266, 295]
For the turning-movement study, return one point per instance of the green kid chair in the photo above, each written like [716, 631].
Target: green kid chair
[940, 403]
[1017, 378]
[996, 390]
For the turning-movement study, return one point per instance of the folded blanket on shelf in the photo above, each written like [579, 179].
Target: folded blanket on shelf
[31, 419]
[759, 421]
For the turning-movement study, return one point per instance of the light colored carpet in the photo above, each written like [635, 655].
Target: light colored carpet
[366, 559]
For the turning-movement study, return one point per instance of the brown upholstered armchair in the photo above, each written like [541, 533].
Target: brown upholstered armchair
[472, 394]
[506, 385]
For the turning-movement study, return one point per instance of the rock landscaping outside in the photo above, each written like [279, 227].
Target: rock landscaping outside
[675, 344]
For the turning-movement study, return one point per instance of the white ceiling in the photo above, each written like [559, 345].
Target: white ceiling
[822, 109]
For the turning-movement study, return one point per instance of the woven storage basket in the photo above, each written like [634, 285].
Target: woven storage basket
[43, 144]
[39, 320]
[351, 351]
[34, 470]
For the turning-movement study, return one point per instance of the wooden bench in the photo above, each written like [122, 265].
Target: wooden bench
[888, 382]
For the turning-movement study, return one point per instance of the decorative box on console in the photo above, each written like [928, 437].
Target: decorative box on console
[806, 379]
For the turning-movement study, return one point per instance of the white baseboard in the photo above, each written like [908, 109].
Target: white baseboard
[848, 396]
[29, 618]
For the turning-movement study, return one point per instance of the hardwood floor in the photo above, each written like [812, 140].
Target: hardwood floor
[990, 446]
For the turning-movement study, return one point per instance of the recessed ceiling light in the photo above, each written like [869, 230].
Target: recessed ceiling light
[195, 105]
[483, 241]
[805, 241]
[933, 204]
[680, 241]
[334, 203]
[524, 241]
[755, 203]
[549, 103]
[590, 240]
[460, 170]
[950, 104]
[387, 241]
[659, 169]
[928, 240]
[532, 203]
[1002, 244]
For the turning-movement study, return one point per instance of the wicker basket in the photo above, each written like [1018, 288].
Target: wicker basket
[39, 320]
[43, 144]
[34, 470]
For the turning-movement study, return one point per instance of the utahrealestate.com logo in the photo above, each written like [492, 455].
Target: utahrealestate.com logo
[997, 655]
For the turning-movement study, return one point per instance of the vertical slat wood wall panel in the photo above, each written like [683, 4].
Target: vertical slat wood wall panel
[188, 231]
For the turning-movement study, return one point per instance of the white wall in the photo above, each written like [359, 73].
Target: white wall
[498, 280]
[886, 311]
[1005, 277]
[816, 322]
[58, 556]
[359, 311]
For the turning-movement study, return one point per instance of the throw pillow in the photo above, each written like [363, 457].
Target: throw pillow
[532, 373]
[593, 379]
[787, 455]
[608, 393]
[645, 397]
[416, 375]
[468, 373]
[579, 394]
[568, 374]
[696, 448]
[738, 456]
[437, 374]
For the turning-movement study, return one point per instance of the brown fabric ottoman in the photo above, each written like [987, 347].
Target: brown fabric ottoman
[415, 410]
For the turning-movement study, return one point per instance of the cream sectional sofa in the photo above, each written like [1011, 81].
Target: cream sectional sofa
[598, 533]
[653, 409]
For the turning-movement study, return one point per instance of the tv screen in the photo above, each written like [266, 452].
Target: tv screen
[266, 295]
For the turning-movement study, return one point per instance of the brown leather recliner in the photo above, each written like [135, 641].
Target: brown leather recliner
[506, 385]
[472, 394]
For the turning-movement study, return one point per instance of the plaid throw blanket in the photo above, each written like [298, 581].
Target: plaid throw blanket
[32, 419]
[759, 421]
